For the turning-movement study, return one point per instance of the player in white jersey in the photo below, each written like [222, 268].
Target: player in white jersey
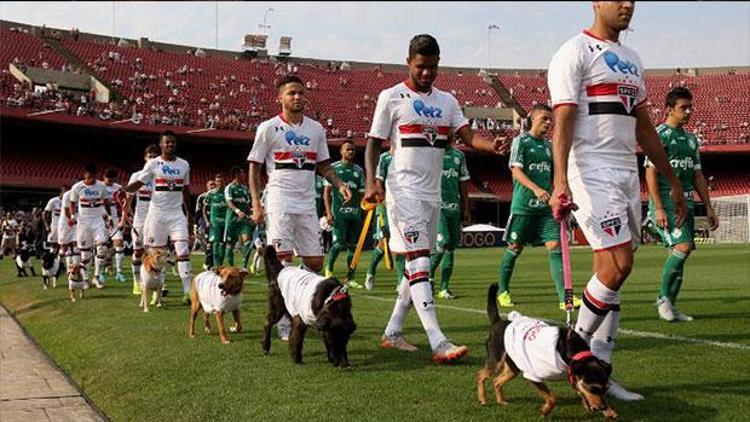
[142, 199]
[93, 218]
[598, 94]
[114, 191]
[417, 119]
[292, 147]
[169, 216]
[51, 217]
[66, 233]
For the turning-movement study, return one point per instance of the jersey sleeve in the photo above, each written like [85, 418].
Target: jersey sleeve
[463, 173]
[640, 99]
[458, 120]
[73, 194]
[323, 153]
[565, 74]
[516, 154]
[382, 119]
[228, 193]
[147, 174]
[133, 179]
[186, 179]
[260, 145]
[49, 206]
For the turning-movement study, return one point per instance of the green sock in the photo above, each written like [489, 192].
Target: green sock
[229, 255]
[672, 269]
[218, 248]
[375, 258]
[400, 265]
[333, 254]
[435, 259]
[506, 270]
[674, 289]
[247, 248]
[446, 270]
[556, 270]
[349, 259]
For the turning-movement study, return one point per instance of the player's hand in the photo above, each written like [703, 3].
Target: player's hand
[121, 224]
[374, 193]
[542, 195]
[345, 192]
[241, 215]
[661, 218]
[713, 219]
[561, 202]
[500, 145]
[680, 205]
[258, 214]
[329, 218]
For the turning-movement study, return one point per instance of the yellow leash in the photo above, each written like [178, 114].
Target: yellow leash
[370, 208]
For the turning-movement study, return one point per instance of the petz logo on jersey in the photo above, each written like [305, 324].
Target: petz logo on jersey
[622, 66]
[627, 94]
[170, 171]
[427, 111]
[292, 138]
[90, 192]
[611, 226]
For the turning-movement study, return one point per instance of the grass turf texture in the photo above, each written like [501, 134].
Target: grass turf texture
[138, 366]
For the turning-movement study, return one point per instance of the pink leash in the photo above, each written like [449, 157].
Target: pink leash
[561, 214]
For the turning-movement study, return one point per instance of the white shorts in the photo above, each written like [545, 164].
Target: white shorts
[162, 225]
[294, 232]
[609, 207]
[412, 224]
[117, 232]
[136, 234]
[65, 233]
[91, 232]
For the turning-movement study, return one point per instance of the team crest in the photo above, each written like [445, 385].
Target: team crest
[411, 235]
[430, 132]
[298, 157]
[612, 226]
[627, 94]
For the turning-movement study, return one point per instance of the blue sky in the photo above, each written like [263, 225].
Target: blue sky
[666, 34]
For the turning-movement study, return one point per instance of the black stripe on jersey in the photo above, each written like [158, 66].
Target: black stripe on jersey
[144, 198]
[422, 142]
[168, 189]
[90, 205]
[292, 166]
[614, 107]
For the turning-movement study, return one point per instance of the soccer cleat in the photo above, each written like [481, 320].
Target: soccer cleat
[353, 285]
[185, 299]
[617, 391]
[679, 316]
[153, 299]
[398, 342]
[445, 294]
[251, 270]
[665, 309]
[136, 288]
[205, 267]
[503, 299]
[120, 277]
[369, 281]
[328, 274]
[576, 303]
[98, 281]
[447, 352]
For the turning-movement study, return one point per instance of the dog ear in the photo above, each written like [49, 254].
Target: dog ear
[219, 269]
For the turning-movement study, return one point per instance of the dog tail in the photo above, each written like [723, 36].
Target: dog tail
[272, 263]
[492, 312]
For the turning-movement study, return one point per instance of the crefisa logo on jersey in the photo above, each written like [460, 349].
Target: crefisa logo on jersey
[622, 66]
[426, 111]
[292, 138]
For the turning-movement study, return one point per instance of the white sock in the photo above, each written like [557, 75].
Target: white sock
[257, 261]
[603, 341]
[183, 267]
[85, 263]
[119, 255]
[421, 295]
[400, 309]
[136, 267]
[598, 301]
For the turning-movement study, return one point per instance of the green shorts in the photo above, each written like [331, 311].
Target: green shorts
[216, 232]
[449, 231]
[234, 228]
[346, 228]
[534, 229]
[673, 235]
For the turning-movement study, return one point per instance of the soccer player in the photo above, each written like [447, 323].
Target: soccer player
[66, 233]
[345, 216]
[93, 219]
[169, 215]
[51, 217]
[599, 99]
[202, 222]
[682, 151]
[417, 119]
[10, 230]
[454, 209]
[238, 221]
[325, 232]
[110, 181]
[142, 201]
[380, 231]
[215, 214]
[531, 220]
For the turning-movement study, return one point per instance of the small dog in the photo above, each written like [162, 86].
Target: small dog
[309, 300]
[23, 261]
[217, 292]
[542, 353]
[76, 281]
[152, 276]
[51, 269]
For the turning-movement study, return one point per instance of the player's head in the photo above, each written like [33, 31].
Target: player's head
[347, 150]
[237, 172]
[219, 181]
[89, 173]
[424, 56]
[541, 119]
[152, 151]
[110, 176]
[291, 94]
[615, 15]
[168, 142]
[210, 185]
[679, 102]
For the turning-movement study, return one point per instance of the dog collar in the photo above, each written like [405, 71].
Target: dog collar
[339, 293]
[578, 356]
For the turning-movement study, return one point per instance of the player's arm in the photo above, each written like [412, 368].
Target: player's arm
[133, 187]
[47, 219]
[498, 145]
[186, 204]
[327, 194]
[374, 192]
[228, 199]
[463, 189]
[702, 188]
[71, 207]
[652, 147]
[204, 211]
[562, 141]
[523, 179]
[126, 209]
[326, 170]
[653, 191]
[254, 183]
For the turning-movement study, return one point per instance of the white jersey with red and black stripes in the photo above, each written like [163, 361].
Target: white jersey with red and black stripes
[54, 207]
[418, 124]
[142, 199]
[90, 199]
[168, 179]
[291, 153]
[605, 80]
[111, 190]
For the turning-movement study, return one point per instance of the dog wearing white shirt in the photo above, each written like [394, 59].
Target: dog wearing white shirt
[217, 292]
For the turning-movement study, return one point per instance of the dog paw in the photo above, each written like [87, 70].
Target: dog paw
[158, 305]
[225, 342]
[145, 309]
[206, 329]
[502, 402]
[609, 413]
[191, 335]
[233, 330]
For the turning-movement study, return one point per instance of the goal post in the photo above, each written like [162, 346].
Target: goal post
[734, 220]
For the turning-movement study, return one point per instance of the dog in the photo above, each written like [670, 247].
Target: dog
[218, 292]
[23, 261]
[76, 281]
[51, 269]
[541, 352]
[152, 276]
[310, 300]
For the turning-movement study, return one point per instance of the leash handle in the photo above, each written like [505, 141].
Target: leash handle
[360, 244]
[386, 248]
[567, 277]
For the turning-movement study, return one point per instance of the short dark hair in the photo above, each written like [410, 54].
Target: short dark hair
[219, 175]
[152, 149]
[90, 168]
[677, 93]
[347, 141]
[540, 107]
[168, 133]
[235, 170]
[288, 79]
[424, 45]
[110, 173]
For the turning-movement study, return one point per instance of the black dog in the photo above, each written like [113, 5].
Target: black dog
[23, 256]
[331, 309]
[51, 268]
[588, 375]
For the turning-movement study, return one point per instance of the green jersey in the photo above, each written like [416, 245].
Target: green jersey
[383, 164]
[319, 204]
[217, 206]
[534, 157]
[454, 172]
[354, 177]
[682, 152]
[240, 197]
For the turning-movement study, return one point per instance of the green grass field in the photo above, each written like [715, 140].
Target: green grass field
[138, 366]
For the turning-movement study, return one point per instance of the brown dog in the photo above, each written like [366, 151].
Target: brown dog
[76, 281]
[217, 292]
[545, 353]
[152, 276]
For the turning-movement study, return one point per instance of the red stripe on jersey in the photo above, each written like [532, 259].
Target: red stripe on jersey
[564, 104]
[415, 128]
[602, 89]
[287, 155]
[164, 181]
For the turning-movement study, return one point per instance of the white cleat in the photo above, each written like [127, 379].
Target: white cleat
[679, 316]
[665, 309]
[369, 282]
[617, 391]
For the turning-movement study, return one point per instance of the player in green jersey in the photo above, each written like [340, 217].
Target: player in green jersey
[345, 217]
[238, 221]
[380, 229]
[215, 213]
[201, 222]
[682, 151]
[454, 208]
[320, 208]
[531, 219]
